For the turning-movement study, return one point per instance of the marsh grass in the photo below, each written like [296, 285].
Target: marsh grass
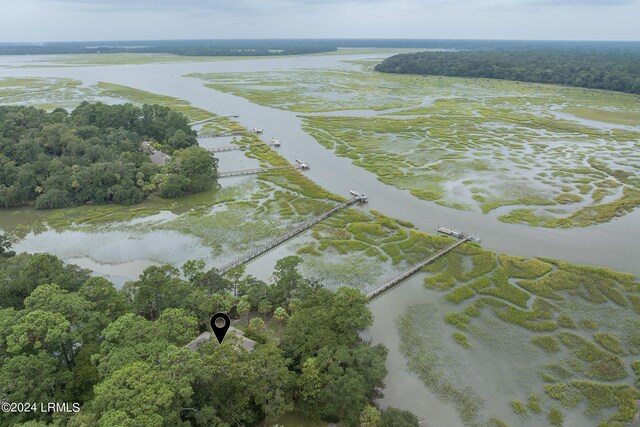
[479, 145]
[568, 299]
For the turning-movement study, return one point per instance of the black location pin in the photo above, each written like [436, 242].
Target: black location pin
[220, 323]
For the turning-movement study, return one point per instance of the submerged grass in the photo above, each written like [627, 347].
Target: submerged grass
[575, 357]
[474, 144]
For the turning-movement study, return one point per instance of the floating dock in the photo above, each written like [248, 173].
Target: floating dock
[458, 234]
[302, 164]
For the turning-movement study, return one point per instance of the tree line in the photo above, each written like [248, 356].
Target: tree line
[177, 47]
[266, 47]
[66, 336]
[94, 155]
[588, 67]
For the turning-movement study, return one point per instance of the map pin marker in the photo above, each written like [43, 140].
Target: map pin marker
[220, 323]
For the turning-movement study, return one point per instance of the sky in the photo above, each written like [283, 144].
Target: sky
[85, 20]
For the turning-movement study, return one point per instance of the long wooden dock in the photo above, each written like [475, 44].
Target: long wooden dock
[233, 147]
[210, 119]
[414, 269]
[221, 134]
[254, 171]
[266, 247]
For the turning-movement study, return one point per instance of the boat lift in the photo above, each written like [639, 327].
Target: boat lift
[459, 234]
[302, 164]
[360, 197]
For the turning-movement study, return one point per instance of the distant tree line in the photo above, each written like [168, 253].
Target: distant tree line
[66, 336]
[187, 47]
[594, 68]
[94, 155]
[265, 47]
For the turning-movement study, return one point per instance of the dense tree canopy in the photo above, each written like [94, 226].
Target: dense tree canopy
[593, 68]
[94, 155]
[68, 337]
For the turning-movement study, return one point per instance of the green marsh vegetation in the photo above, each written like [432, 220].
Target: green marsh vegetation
[497, 147]
[568, 334]
[139, 96]
[57, 92]
[47, 93]
[231, 219]
[85, 60]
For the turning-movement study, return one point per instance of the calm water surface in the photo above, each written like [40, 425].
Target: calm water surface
[121, 257]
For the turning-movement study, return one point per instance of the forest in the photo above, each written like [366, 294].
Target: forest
[588, 67]
[270, 47]
[66, 336]
[94, 155]
[178, 47]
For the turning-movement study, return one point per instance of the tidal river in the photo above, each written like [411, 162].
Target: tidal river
[615, 244]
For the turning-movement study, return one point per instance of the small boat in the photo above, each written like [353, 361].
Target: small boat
[361, 198]
[274, 142]
[450, 232]
[302, 164]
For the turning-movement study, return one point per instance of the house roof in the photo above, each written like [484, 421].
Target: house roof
[245, 342]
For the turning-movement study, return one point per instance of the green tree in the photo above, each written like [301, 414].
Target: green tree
[108, 302]
[272, 390]
[180, 139]
[140, 393]
[177, 327]
[280, 315]
[172, 185]
[5, 246]
[256, 324]
[243, 307]
[193, 269]
[36, 270]
[264, 307]
[53, 299]
[127, 340]
[234, 275]
[32, 378]
[213, 282]
[370, 417]
[309, 384]
[393, 417]
[157, 289]
[289, 282]
[44, 331]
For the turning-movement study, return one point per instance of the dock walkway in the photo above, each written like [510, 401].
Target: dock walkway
[254, 171]
[266, 247]
[221, 134]
[233, 147]
[210, 119]
[414, 269]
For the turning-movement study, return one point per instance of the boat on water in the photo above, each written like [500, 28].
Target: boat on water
[458, 234]
[302, 164]
[361, 198]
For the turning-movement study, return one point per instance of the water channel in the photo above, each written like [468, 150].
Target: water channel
[614, 244]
